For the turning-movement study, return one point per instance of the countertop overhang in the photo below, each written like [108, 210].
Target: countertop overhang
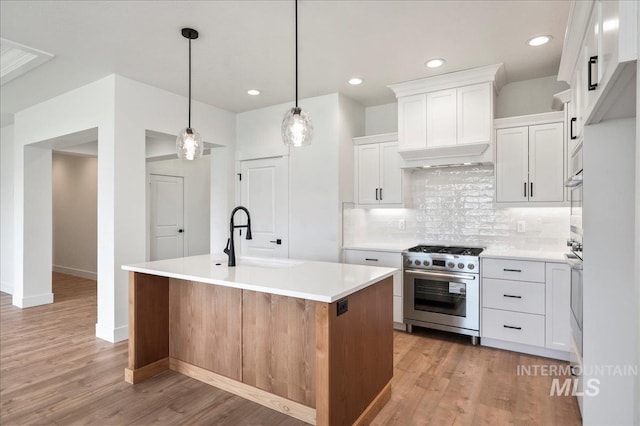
[305, 279]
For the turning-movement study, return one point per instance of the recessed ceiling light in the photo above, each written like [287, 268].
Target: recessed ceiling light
[253, 92]
[539, 40]
[355, 81]
[435, 63]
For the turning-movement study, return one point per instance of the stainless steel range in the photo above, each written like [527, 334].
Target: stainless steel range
[442, 289]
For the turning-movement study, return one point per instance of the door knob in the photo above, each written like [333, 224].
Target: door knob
[180, 231]
[278, 241]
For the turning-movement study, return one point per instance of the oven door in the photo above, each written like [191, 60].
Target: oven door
[443, 298]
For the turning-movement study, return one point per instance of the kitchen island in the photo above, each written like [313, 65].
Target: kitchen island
[313, 340]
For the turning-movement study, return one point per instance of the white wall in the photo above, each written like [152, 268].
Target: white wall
[351, 122]
[381, 119]
[121, 110]
[528, 97]
[197, 182]
[6, 209]
[314, 171]
[75, 215]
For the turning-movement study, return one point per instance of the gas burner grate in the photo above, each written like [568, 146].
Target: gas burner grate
[463, 251]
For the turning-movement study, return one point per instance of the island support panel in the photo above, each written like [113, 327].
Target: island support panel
[355, 356]
[292, 355]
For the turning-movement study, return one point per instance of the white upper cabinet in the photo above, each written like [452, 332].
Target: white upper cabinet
[546, 162]
[459, 116]
[368, 182]
[474, 113]
[378, 177]
[447, 119]
[390, 174]
[598, 60]
[412, 124]
[441, 118]
[512, 164]
[530, 161]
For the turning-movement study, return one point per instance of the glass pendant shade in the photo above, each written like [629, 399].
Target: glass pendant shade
[297, 128]
[189, 144]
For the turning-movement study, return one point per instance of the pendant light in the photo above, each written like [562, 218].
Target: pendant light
[297, 128]
[189, 143]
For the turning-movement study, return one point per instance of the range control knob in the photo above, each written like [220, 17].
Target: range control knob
[451, 265]
[471, 266]
[426, 263]
[408, 261]
[417, 262]
[460, 265]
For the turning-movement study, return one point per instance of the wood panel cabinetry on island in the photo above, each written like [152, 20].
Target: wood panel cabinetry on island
[313, 340]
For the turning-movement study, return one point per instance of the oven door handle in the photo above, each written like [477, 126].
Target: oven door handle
[439, 276]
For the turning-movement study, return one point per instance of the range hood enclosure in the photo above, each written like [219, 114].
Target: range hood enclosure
[448, 119]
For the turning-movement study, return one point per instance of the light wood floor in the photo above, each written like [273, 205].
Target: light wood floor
[54, 371]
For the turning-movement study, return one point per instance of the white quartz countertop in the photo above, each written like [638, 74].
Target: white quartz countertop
[556, 256]
[305, 279]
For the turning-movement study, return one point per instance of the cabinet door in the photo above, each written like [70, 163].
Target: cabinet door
[368, 173]
[558, 295]
[512, 159]
[412, 122]
[546, 162]
[577, 109]
[441, 118]
[608, 51]
[590, 50]
[474, 106]
[390, 174]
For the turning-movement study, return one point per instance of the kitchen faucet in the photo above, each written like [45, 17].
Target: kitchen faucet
[230, 249]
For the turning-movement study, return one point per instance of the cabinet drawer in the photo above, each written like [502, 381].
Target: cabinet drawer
[513, 326]
[373, 258]
[518, 296]
[378, 258]
[517, 270]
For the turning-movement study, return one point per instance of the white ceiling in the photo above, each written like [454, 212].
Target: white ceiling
[249, 44]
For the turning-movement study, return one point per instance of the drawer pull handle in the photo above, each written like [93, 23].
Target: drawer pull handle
[370, 260]
[512, 327]
[512, 296]
[512, 270]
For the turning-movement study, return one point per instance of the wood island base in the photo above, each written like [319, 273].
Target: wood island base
[296, 356]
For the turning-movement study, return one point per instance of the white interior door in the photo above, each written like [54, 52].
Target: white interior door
[264, 190]
[166, 217]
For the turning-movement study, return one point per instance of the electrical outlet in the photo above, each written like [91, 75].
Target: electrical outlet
[402, 224]
[343, 306]
[522, 226]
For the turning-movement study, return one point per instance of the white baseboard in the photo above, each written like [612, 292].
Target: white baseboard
[75, 272]
[113, 335]
[527, 349]
[6, 287]
[30, 301]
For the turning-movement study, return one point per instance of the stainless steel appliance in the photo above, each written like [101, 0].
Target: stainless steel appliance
[442, 289]
[574, 259]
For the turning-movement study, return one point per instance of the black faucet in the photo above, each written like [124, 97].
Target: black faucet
[230, 249]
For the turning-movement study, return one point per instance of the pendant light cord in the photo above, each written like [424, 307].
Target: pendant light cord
[189, 83]
[296, 9]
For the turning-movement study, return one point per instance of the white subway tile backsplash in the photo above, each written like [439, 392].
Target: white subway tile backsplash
[455, 206]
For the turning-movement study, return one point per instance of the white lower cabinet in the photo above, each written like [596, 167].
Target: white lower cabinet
[386, 259]
[526, 306]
